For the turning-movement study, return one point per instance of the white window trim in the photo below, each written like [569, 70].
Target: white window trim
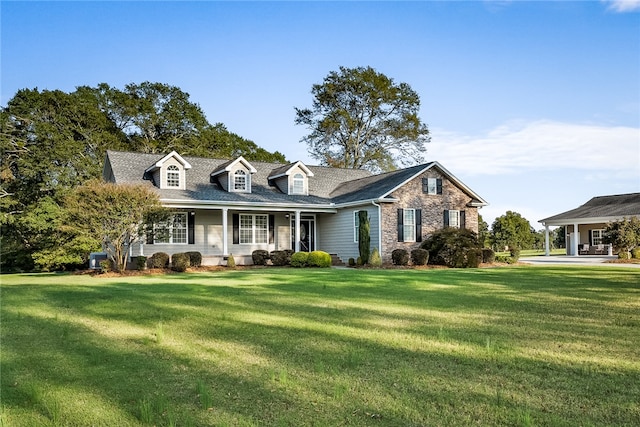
[432, 186]
[173, 170]
[356, 226]
[599, 238]
[454, 218]
[254, 229]
[409, 228]
[301, 180]
[169, 226]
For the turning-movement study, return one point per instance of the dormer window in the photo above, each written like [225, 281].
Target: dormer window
[298, 184]
[240, 180]
[173, 176]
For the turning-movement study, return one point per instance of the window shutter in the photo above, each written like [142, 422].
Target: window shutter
[272, 220]
[418, 225]
[400, 225]
[446, 218]
[463, 223]
[439, 186]
[590, 237]
[191, 228]
[236, 229]
[425, 185]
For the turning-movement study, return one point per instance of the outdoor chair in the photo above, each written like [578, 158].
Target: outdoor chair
[583, 249]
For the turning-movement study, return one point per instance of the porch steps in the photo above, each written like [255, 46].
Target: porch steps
[336, 261]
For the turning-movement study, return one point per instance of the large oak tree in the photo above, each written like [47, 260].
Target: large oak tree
[362, 119]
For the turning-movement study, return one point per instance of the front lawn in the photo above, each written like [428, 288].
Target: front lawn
[517, 346]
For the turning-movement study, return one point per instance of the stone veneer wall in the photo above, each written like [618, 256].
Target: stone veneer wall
[410, 196]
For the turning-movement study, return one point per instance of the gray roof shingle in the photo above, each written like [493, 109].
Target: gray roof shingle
[618, 206]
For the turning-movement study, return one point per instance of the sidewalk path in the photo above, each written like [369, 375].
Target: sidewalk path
[575, 260]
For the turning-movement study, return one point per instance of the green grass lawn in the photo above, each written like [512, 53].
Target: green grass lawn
[516, 346]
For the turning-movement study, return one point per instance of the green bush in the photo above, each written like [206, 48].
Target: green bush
[635, 254]
[515, 254]
[359, 261]
[231, 262]
[195, 258]
[448, 246]
[159, 260]
[260, 257]
[419, 257]
[319, 259]
[106, 265]
[180, 262]
[141, 262]
[374, 259]
[488, 255]
[400, 257]
[505, 258]
[352, 262]
[299, 259]
[474, 257]
[623, 254]
[280, 258]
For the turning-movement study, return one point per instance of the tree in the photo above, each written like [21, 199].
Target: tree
[483, 231]
[362, 119]
[559, 237]
[364, 237]
[623, 235]
[114, 215]
[511, 230]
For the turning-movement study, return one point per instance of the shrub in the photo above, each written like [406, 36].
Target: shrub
[260, 257]
[364, 237]
[352, 262]
[106, 265]
[623, 254]
[195, 258]
[635, 254]
[474, 257]
[159, 260]
[359, 261]
[299, 259]
[504, 258]
[180, 262]
[400, 257]
[448, 246]
[419, 257]
[319, 259]
[515, 254]
[141, 262]
[280, 258]
[231, 262]
[374, 259]
[488, 255]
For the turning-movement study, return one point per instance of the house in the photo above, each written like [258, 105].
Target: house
[585, 225]
[224, 207]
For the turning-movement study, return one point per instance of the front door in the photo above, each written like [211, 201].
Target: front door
[307, 235]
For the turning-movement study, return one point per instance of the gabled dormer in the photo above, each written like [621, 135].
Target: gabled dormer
[235, 175]
[169, 172]
[292, 179]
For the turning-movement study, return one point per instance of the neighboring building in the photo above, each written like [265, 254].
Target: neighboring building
[235, 207]
[585, 225]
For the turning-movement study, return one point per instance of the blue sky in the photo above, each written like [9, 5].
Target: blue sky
[534, 105]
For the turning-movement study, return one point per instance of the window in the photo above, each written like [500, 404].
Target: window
[356, 226]
[596, 236]
[254, 229]
[409, 222]
[173, 176]
[173, 231]
[298, 184]
[432, 185]
[240, 180]
[454, 219]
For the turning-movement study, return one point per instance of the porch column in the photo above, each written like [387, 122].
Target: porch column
[576, 240]
[546, 240]
[297, 232]
[225, 247]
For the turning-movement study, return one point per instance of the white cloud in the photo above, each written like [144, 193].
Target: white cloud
[540, 145]
[623, 5]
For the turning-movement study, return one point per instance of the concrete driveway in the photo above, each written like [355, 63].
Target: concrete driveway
[575, 260]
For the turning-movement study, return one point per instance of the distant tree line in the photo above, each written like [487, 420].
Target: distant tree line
[52, 141]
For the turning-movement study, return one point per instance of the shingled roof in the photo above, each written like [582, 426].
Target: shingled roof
[330, 186]
[599, 209]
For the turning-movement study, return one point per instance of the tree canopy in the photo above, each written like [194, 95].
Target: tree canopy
[512, 230]
[52, 141]
[362, 119]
